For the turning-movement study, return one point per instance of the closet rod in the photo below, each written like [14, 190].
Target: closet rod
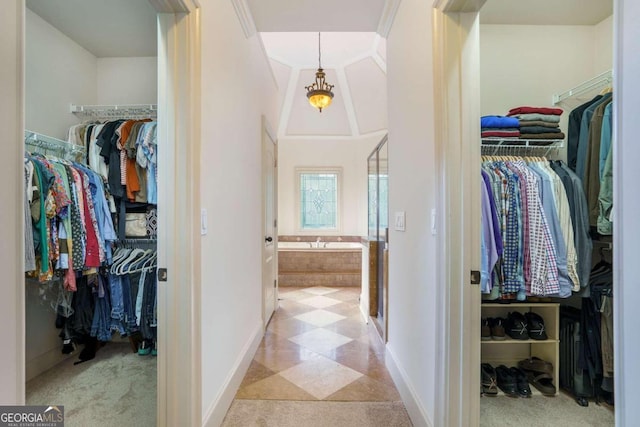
[115, 111]
[601, 80]
[37, 140]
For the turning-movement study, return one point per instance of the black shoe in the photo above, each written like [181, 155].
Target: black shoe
[522, 383]
[488, 380]
[535, 326]
[497, 329]
[506, 381]
[485, 332]
[516, 326]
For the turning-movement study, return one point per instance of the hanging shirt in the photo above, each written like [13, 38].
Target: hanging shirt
[489, 252]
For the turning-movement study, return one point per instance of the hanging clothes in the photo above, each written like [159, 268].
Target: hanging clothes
[543, 250]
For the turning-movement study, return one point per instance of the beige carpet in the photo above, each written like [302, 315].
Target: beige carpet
[117, 388]
[279, 413]
[541, 411]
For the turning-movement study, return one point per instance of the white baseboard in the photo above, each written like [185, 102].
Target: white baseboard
[220, 405]
[416, 410]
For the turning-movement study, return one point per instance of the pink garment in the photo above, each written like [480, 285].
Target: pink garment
[539, 110]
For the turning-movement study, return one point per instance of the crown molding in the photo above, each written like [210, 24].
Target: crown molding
[388, 15]
[245, 17]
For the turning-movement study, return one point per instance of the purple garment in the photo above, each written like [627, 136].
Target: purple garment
[499, 122]
[497, 236]
[489, 254]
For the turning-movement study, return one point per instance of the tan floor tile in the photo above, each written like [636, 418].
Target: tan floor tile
[349, 295]
[362, 359]
[366, 389]
[256, 372]
[320, 340]
[289, 327]
[320, 376]
[320, 301]
[320, 290]
[319, 317]
[284, 356]
[345, 309]
[274, 387]
[290, 308]
[271, 339]
[292, 294]
[349, 327]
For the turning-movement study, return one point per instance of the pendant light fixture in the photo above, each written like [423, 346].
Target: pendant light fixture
[319, 92]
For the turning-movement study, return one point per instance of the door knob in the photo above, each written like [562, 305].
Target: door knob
[268, 239]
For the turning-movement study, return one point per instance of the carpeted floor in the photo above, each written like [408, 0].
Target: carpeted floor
[117, 388]
[279, 413]
[541, 411]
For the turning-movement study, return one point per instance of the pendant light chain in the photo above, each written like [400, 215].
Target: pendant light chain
[319, 53]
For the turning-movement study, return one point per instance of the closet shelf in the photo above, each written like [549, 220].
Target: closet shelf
[132, 111]
[597, 82]
[44, 144]
[493, 145]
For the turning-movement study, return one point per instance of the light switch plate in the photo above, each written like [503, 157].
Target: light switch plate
[400, 221]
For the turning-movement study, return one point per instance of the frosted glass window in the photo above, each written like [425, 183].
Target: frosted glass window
[318, 199]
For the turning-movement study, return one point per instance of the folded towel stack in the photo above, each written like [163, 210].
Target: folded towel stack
[500, 126]
[538, 122]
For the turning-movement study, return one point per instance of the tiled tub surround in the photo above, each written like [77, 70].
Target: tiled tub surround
[325, 263]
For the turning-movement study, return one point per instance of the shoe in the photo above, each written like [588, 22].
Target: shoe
[539, 374]
[497, 329]
[536, 364]
[506, 381]
[516, 326]
[144, 349]
[522, 383]
[535, 326]
[154, 350]
[488, 380]
[485, 334]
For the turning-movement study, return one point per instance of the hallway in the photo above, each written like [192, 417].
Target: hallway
[318, 364]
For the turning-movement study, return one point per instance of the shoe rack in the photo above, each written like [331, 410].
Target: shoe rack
[509, 351]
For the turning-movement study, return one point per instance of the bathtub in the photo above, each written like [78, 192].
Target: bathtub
[324, 264]
[319, 245]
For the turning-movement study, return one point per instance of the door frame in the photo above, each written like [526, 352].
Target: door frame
[267, 132]
[179, 394]
[457, 100]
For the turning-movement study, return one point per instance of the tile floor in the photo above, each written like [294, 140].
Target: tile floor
[317, 347]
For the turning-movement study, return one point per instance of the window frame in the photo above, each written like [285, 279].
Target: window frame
[299, 170]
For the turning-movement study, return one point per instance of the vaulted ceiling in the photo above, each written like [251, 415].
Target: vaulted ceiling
[354, 62]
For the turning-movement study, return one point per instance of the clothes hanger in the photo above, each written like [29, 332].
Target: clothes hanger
[121, 254]
[135, 254]
[139, 262]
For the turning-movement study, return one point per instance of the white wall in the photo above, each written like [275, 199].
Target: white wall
[412, 189]
[12, 244]
[127, 80]
[350, 154]
[59, 72]
[603, 46]
[528, 64]
[237, 89]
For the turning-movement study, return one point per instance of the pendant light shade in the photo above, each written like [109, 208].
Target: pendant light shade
[319, 92]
